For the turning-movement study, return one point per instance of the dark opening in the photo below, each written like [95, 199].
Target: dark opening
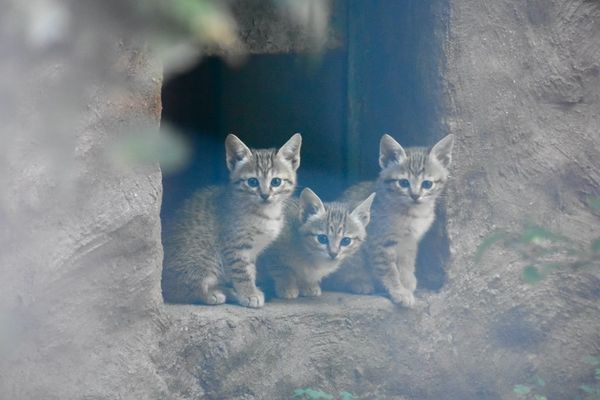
[383, 79]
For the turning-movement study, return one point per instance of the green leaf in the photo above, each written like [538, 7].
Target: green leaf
[298, 393]
[539, 381]
[521, 389]
[347, 396]
[531, 275]
[167, 147]
[594, 203]
[535, 233]
[551, 267]
[540, 397]
[596, 245]
[317, 394]
[591, 360]
[588, 388]
[488, 242]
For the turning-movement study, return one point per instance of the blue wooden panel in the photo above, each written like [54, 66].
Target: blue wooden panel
[394, 85]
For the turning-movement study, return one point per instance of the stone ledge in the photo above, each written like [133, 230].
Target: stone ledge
[334, 343]
[330, 303]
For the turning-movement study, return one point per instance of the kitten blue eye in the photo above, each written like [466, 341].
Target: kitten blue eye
[275, 182]
[345, 241]
[253, 182]
[323, 239]
[404, 183]
[426, 184]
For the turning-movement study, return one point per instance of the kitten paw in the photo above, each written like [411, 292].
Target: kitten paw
[403, 297]
[288, 293]
[312, 291]
[214, 298]
[253, 300]
[361, 288]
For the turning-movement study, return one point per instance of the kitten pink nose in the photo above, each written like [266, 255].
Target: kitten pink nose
[264, 196]
[333, 254]
[415, 196]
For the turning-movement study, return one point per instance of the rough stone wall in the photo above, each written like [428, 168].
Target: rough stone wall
[521, 96]
[523, 99]
[80, 252]
[523, 82]
[265, 29]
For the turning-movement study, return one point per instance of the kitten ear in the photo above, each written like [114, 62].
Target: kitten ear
[390, 151]
[290, 151]
[310, 205]
[442, 150]
[235, 151]
[363, 211]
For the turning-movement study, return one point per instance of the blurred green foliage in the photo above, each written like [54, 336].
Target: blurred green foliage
[590, 389]
[522, 389]
[315, 394]
[535, 387]
[594, 204]
[167, 147]
[531, 390]
[179, 31]
[542, 251]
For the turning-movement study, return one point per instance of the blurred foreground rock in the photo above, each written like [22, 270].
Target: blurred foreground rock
[81, 316]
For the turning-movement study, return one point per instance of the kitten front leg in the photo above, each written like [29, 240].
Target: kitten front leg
[241, 271]
[209, 292]
[406, 267]
[363, 286]
[286, 287]
[353, 276]
[386, 270]
[310, 289]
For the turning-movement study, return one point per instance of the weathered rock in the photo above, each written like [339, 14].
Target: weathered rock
[522, 99]
[326, 343]
[80, 252]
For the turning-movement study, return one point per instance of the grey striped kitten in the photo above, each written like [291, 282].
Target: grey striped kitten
[409, 183]
[316, 239]
[221, 230]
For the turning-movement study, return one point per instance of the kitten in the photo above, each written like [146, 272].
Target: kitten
[409, 183]
[316, 239]
[221, 230]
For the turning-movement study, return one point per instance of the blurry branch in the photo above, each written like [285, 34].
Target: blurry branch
[73, 52]
[181, 30]
[542, 251]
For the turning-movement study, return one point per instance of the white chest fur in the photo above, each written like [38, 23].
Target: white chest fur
[413, 221]
[269, 223]
[316, 270]
[419, 225]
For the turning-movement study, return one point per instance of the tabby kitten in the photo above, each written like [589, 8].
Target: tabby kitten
[409, 183]
[221, 230]
[316, 239]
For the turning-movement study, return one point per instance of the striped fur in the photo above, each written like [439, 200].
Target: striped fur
[297, 261]
[400, 216]
[217, 236]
